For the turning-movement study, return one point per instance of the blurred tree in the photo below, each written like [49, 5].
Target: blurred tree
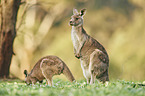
[9, 9]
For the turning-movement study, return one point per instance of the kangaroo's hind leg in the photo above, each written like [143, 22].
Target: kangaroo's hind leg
[86, 72]
[93, 62]
[97, 65]
[48, 76]
[46, 69]
[93, 77]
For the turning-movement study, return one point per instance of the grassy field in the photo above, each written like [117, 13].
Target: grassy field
[79, 88]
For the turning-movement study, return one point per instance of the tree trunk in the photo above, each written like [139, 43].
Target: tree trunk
[9, 9]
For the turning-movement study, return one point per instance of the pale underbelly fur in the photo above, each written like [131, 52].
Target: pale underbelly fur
[77, 41]
[86, 71]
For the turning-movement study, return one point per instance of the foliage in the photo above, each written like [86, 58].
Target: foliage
[80, 88]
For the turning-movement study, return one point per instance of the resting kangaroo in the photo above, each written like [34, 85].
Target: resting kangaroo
[93, 56]
[47, 67]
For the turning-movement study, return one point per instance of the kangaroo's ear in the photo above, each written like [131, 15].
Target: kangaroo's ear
[82, 12]
[25, 72]
[75, 11]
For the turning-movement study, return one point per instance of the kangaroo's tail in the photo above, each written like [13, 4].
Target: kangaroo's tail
[68, 73]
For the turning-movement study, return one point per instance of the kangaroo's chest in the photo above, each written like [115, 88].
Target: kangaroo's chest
[77, 39]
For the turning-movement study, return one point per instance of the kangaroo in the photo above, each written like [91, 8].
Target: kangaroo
[93, 56]
[47, 67]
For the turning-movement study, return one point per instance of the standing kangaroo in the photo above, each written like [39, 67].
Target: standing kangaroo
[47, 67]
[93, 56]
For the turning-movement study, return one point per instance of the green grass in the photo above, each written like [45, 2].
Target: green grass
[65, 88]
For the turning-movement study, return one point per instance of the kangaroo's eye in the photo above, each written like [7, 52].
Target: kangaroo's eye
[77, 18]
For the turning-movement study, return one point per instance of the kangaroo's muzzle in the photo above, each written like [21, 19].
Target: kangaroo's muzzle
[71, 23]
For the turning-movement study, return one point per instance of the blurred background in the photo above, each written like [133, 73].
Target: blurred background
[119, 25]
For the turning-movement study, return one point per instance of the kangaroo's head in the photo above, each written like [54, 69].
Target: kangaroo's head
[27, 77]
[77, 18]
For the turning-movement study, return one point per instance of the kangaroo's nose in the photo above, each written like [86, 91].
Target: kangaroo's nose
[70, 22]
